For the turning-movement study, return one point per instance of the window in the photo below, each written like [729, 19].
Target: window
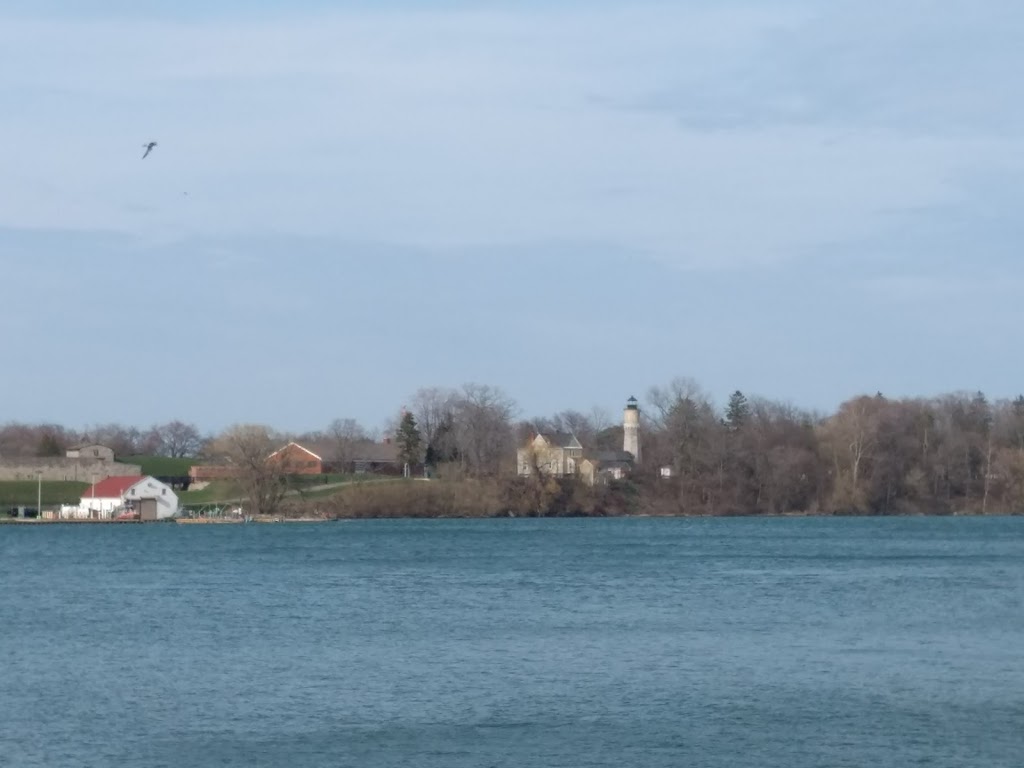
[163, 491]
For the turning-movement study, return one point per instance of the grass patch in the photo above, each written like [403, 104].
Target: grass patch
[302, 482]
[23, 492]
[229, 490]
[161, 466]
[218, 490]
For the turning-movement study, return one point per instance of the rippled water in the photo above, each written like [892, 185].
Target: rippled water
[786, 642]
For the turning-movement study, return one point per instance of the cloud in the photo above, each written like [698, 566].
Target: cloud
[919, 67]
[708, 135]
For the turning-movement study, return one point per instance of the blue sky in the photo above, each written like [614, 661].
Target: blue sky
[574, 201]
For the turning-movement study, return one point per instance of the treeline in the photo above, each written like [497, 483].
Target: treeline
[957, 453]
[472, 497]
[175, 439]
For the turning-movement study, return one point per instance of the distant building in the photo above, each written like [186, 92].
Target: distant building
[550, 453]
[102, 498]
[356, 456]
[318, 458]
[294, 459]
[559, 454]
[81, 463]
[631, 429]
[602, 466]
[92, 452]
[370, 457]
[143, 497]
[151, 499]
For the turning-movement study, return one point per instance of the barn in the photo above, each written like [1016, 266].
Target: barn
[150, 499]
[145, 498]
[102, 499]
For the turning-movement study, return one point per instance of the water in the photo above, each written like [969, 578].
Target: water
[788, 642]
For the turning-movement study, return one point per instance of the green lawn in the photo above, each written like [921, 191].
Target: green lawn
[161, 466]
[218, 490]
[228, 490]
[23, 492]
[299, 482]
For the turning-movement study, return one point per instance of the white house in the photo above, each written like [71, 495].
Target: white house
[151, 499]
[101, 500]
[143, 497]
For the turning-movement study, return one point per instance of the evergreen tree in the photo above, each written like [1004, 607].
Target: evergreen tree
[738, 411]
[442, 448]
[409, 440]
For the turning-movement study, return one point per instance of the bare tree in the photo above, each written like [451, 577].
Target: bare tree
[124, 441]
[600, 419]
[344, 435]
[434, 408]
[851, 439]
[664, 400]
[178, 439]
[17, 439]
[578, 424]
[248, 448]
[483, 428]
[150, 442]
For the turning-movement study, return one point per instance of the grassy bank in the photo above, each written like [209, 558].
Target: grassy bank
[160, 466]
[303, 486]
[23, 493]
[218, 490]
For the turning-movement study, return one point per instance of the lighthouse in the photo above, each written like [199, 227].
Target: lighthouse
[631, 429]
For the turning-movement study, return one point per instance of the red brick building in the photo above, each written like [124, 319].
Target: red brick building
[296, 460]
[362, 457]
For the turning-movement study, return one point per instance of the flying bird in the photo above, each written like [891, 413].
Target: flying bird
[149, 148]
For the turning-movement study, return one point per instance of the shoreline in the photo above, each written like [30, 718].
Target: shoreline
[645, 516]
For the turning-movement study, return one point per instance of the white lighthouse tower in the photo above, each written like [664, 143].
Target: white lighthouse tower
[631, 429]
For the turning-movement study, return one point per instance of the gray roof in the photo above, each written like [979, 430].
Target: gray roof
[364, 450]
[381, 452]
[610, 457]
[560, 439]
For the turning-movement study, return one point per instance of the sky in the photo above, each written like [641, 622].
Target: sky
[805, 200]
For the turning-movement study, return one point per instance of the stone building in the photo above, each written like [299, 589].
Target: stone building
[82, 463]
[559, 454]
[550, 453]
[90, 452]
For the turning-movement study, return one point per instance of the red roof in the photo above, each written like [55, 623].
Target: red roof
[111, 488]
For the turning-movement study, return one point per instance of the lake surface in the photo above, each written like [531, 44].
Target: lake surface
[734, 643]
